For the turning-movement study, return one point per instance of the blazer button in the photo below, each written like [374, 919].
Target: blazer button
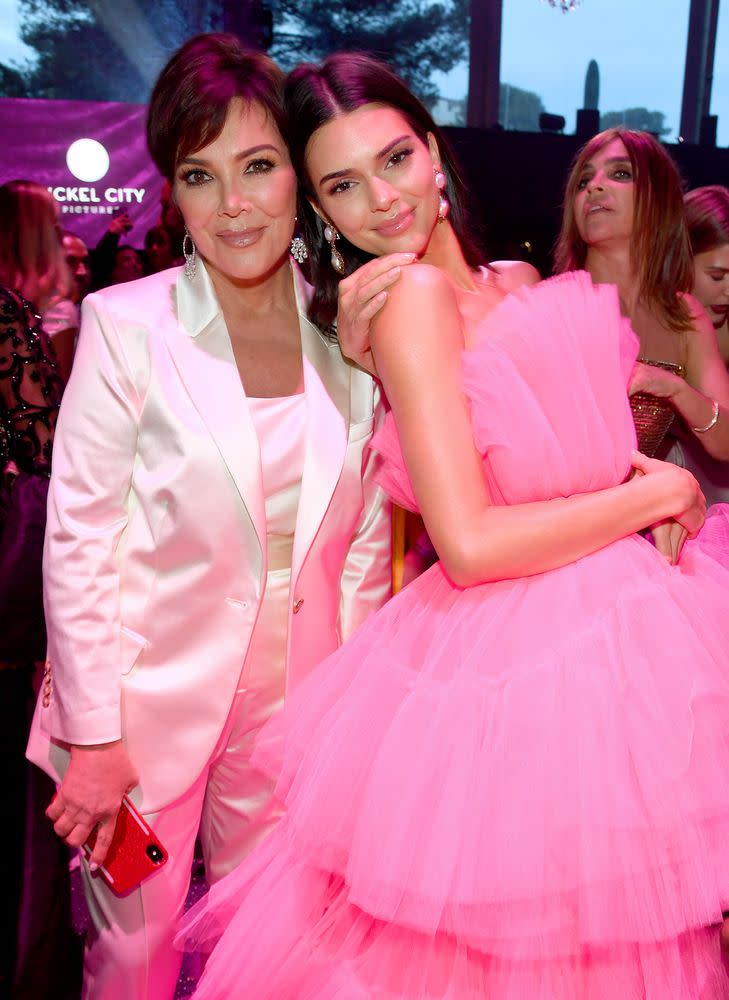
[298, 605]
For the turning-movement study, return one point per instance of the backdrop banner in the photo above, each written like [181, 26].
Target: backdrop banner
[92, 156]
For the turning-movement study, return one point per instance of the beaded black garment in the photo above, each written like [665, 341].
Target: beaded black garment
[30, 387]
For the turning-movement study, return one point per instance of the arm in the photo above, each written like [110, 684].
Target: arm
[63, 344]
[93, 457]
[61, 322]
[515, 273]
[367, 575]
[707, 380]
[417, 342]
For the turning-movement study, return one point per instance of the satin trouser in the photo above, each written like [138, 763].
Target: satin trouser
[129, 953]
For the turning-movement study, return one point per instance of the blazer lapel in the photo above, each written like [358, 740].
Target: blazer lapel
[204, 359]
[327, 388]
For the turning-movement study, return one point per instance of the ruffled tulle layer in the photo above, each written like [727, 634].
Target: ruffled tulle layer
[297, 936]
[502, 798]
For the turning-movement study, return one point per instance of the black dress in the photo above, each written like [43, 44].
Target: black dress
[30, 395]
[39, 954]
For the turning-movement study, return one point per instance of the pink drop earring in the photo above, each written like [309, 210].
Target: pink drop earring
[443, 205]
[331, 236]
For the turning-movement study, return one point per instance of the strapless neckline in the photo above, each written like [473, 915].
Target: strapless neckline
[670, 366]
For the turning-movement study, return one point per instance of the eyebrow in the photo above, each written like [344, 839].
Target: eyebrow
[244, 154]
[378, 156]
[611, 160]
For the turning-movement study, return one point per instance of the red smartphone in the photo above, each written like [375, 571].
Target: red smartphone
[134, 854]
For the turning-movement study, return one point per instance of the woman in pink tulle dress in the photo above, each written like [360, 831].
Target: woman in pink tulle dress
[511, 782]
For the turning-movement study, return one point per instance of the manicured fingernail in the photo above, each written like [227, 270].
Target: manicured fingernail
[93, 867]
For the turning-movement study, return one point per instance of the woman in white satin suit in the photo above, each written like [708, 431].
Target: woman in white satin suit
[214, 527]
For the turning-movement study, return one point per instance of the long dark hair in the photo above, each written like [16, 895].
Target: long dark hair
[659, 244]
[314, 95]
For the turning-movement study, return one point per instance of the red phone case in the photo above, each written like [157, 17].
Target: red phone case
[134, 854]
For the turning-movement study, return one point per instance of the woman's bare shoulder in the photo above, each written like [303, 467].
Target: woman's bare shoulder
[513, 274]
[420, 306]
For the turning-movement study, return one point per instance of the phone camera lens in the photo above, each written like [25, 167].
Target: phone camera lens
[154, 853]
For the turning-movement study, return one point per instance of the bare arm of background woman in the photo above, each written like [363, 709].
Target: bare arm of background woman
[706, 381]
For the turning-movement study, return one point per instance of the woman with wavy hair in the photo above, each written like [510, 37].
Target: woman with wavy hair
[624, 223]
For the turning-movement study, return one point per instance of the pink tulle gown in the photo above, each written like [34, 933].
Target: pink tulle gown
[517, 791]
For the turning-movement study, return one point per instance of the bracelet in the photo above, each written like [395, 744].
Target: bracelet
[712, 422]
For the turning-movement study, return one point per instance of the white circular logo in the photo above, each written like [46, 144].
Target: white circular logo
[87, 160]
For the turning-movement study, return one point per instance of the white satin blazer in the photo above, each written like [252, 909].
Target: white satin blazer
[155, 553]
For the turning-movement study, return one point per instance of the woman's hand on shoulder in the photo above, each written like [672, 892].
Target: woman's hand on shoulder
[361, 296]
[515, 274]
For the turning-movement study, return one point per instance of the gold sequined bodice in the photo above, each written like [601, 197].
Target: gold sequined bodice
[652, 415]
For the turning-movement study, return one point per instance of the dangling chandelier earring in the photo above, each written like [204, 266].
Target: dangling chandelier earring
[299, 250]
[440, 183]
[189, 252]
[331, 236]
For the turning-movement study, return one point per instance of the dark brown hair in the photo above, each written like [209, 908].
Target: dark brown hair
[659, 243]
[190, 100]
[314, 95]
[707, 217]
